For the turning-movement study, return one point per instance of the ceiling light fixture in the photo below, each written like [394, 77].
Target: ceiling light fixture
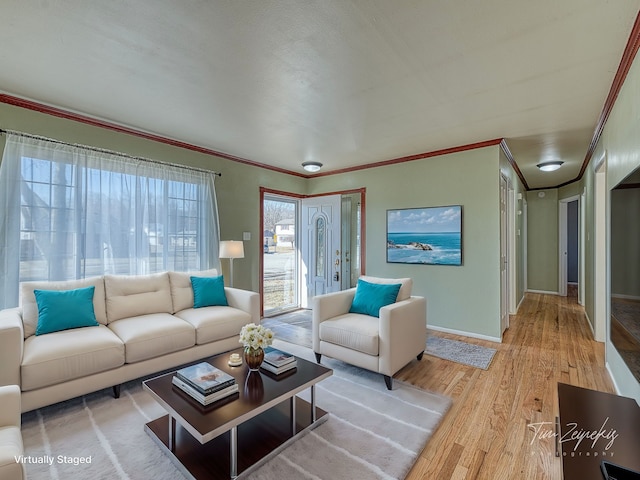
[312, 166]
[550, 166]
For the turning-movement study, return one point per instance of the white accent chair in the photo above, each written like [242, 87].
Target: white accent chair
[10, 436]
[384, 344]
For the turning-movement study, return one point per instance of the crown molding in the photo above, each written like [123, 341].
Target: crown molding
[96, 122]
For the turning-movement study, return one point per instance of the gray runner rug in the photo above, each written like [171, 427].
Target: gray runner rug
[460, 352]
[371, 432]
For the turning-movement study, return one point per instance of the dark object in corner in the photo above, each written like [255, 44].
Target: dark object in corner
[611, 471]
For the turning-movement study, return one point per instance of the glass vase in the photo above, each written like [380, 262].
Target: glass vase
[253, 358]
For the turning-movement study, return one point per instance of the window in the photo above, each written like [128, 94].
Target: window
[74, 213]
[320, 246]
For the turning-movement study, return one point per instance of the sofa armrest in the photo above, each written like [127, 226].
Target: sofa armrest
[244, 300]
[325, 307]
[403, 333]
[11, 346]
[11, 408]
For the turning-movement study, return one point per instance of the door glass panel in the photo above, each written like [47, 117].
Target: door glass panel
[321, 236]
[280, 255]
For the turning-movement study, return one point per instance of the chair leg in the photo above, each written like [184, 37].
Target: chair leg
[318, 357]
[419, 357]
[116, 391]
[389, 381]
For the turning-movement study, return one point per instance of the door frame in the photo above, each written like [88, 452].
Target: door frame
[563, 243]
[600, 273]
[288, 196]
[298, 196]
[511, 249]
[505, 253]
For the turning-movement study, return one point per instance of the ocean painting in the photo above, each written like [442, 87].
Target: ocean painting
[428, 236]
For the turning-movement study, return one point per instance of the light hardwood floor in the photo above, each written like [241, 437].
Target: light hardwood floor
[486, 433]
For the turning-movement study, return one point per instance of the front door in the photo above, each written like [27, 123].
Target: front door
[321, 269]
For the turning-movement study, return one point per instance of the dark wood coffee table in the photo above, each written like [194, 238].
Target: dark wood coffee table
[237, 434]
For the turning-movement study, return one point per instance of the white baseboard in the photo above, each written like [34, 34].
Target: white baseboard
[613, 380]
[519, 303]
[464, 334]
[625, 297]
[544, 292]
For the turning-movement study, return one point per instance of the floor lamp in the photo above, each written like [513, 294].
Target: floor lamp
[231, 249]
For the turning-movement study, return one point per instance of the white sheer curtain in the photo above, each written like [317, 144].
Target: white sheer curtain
[71, 212]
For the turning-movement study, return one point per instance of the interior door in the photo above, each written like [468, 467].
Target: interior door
[504, 278]
[321, 254]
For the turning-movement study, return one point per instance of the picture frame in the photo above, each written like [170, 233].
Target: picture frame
[425, 235]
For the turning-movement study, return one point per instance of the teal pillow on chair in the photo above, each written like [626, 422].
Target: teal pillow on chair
[64, 309]
[371, 297]
[208, 292]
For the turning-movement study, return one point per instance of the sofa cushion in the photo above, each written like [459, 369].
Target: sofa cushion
[371, 297]
[181, 289]
[353, 331]
[215, 323]
[61, 356]
[30, 307]
[208, 292]
[62, 310]
[132, 295]
[405, 288]
[153, 335]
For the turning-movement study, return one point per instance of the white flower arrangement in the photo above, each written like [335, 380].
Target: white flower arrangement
[255, 336]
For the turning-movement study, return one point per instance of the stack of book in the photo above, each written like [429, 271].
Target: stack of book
[276, 361]
[205, 383]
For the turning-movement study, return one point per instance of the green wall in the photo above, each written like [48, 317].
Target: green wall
[465, 298]
[620, 143]
[542, 241]
[543, 236]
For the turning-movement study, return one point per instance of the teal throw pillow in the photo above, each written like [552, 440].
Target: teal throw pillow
[371, 297]
[64, 309]
[208, 292]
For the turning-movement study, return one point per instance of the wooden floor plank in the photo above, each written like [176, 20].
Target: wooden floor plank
[487, 433]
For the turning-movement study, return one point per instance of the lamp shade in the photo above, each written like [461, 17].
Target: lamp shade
[231, 249]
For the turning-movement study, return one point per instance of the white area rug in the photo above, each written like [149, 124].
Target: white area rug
[371, 433]
[460, 352]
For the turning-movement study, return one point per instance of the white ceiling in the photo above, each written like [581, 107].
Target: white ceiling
[346, 83]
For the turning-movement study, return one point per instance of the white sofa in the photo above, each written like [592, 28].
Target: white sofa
[10, 436]
[381, 344]
[147, 323]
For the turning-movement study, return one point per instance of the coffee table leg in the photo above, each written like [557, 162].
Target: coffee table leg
[234, 452]
[313, 403]
[293, 415]
[172, 434]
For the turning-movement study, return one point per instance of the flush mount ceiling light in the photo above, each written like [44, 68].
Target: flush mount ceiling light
[312, 166]
[550, 166]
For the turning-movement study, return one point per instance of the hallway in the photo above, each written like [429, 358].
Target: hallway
[486, 434]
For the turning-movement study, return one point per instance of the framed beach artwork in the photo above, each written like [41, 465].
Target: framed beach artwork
[425, 236]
